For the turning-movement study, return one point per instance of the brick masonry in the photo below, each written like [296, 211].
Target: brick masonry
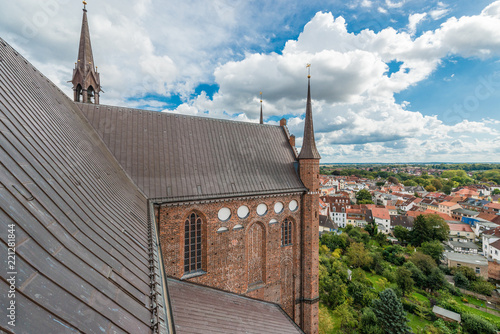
[494, 270]
[309, 174]
[248, 260]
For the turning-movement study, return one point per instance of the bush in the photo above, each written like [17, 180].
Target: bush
[474, 324]
[460, 280]
[389, 274]
[482, 287]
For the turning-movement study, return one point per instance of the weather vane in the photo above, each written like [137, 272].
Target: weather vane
[260, 93]
[84, 4]
[308, 66]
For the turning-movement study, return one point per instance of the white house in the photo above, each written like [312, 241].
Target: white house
[490, 239]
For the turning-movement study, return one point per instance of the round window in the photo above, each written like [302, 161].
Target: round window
[243, 211]
[261, 209]
[278, 207]
[224, 214]
[293, 205]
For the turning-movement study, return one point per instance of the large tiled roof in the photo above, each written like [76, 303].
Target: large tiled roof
[81, 225]
[199, 309]
[174, 157]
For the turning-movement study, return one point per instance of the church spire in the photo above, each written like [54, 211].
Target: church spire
[308, 150]
[86, 79]
[261, 115]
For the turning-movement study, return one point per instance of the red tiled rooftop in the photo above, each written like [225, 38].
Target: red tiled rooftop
[493, 205]
[381, 213]
[460, 227]
[450, 204]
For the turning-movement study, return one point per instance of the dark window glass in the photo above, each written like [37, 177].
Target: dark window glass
[192, 243]
[286, 233]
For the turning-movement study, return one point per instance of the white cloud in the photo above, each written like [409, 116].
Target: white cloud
[440, 11]
[146, 47]
[414, 20]
[366, 3]
[391, 4]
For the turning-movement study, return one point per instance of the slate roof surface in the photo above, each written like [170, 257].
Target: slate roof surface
[467, 258]
[199, 309]
[404, 221]
[325, 221]
[81, 224]
[446, 313]
[175, 157]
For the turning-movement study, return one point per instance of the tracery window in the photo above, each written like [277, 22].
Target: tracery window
[192, 243]
[286, 232]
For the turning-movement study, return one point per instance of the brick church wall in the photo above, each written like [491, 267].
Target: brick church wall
[233, 257]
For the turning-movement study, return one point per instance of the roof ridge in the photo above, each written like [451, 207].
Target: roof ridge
[182, 115]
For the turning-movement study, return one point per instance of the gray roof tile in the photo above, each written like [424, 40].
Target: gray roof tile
[81, 224]
[175, 157]
[199, 309]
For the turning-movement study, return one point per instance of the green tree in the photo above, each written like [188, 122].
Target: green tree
[430, 188]
[362, 295]
[402, 234]
[410, 183]
[393, 180]
[435, 280]
[433, 248]
[334, 241]
[357, 255]
[371, 228]
[423, 262]
[496, 191]
[347, 316]
[473, 324]
[460, 280]
[363, 195]
[404, 280]
[428, 228]
[437, 184]
[369, 323]
[416, 274]
[482, 287]
[390, 314]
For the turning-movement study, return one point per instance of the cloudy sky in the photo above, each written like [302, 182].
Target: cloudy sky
[392, 80]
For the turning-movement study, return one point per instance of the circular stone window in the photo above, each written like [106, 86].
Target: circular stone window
[243, 211]
[224, 214]
[293, 205]
[278, 207]
[261, 209]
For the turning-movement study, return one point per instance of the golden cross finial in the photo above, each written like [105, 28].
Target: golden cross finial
[260, 97]
[308, 66]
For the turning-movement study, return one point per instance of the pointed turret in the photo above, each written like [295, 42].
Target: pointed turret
[308, 150]
[86, 80]
[261, 114]
[309, 174]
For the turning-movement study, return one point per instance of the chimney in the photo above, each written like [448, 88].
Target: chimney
[292, 140]
[283, 122]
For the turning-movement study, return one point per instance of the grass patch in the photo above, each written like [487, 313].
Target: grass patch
[421, 298]
[327, 321]
[416, 322]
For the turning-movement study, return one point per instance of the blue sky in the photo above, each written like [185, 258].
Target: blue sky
[392, 81]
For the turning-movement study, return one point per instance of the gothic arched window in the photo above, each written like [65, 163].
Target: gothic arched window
[286, 232]
[192, 243]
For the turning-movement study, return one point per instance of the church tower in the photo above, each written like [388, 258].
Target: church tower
[309, 174]
[86, 80]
